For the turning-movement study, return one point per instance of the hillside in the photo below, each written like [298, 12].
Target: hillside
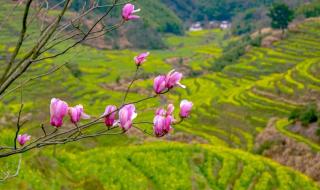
[156, 166]
[264, 83]
[175, 16]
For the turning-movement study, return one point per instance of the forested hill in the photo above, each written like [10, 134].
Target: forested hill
[211, 9]
[197, 10]
[175, 16]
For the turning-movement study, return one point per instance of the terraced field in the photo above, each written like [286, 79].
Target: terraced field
[158, 166]
[265, 83]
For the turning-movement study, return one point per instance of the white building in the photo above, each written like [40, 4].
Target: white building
[225, 25]
[196, 27]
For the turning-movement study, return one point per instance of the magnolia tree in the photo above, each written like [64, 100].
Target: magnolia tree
[116, 119]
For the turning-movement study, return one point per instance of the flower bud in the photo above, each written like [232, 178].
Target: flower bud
[159, 84]
[141, 58]
[126, 116]
[128, 12]
[173, 79]
[58, 109]
[22, 139]
[185, 108]
[76, 113]
[110, 115]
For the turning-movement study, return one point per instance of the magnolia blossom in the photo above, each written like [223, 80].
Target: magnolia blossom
[58, 109]
[173, 78]
[110, 115]
[141, 58]
[22, 139]
[128, 12]
[163, 120]
[161, 112]
[161, 125]
[170, 109]
[185, 108]
[76, 113]
[159, 84]
[126, 115]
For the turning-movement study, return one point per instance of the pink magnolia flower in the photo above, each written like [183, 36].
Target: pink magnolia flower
[173, 78]
[167, 124]
[58, 109]
[128, 12]
[76, 113]
[170, 109]
[141, 58]
[161, 125]
[159, 84]
[161, 112]
[110, 115]
[22, 139]
[185, 108]
[126, 115]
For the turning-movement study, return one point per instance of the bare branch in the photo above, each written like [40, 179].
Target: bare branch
[18, 126]
[20, 41]
[131, 83]
[8, 175]
[6, 147]
[34, 53]
[51, 139]
[7, 18]
[79, 41]
[63, 27]
[101, 32]
[31, 79]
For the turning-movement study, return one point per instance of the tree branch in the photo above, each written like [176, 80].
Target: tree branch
[18, 126]
[8, 175]
[54, 136]
[131, 83]
[20, 41]
[31, 79]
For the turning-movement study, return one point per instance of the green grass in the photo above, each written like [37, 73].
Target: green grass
[156, 166]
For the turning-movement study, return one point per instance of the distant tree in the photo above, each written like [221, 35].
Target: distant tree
[308, 114]
[310, 9]
[281, 15]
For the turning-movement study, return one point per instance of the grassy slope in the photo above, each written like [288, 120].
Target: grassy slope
[156, 166]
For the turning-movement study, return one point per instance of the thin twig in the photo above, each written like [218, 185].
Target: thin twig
[55, 135]
[63, 27]
[131, 83]
[78, 42]
[20, 41]
[6, 147]
[8, 176]
[33, 55]
[18, 127]
[44, 131]
[33, 78]
[80, 133]
[143, 130]
[7, 18]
